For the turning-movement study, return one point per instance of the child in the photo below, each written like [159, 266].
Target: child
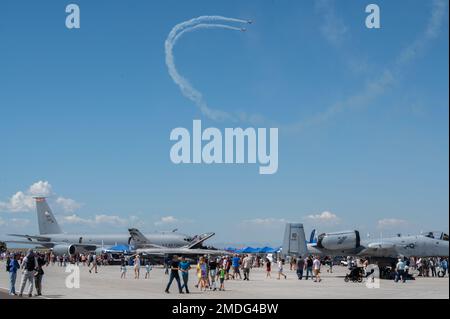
[123, 270]
[222, 278]
[148, 268]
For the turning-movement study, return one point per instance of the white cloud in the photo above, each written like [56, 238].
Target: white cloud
[41, 188]
[166, 220]
[325, 217]
[19, 202]
[67, 204]
[22, 201]
[391, 223]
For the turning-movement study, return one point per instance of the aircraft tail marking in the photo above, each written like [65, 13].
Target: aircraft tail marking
[46, 220]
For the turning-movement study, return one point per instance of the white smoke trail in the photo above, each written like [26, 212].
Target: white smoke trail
[186, 88]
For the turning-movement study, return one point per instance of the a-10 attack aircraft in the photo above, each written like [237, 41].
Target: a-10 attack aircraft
[349, 243]
[51, 236]
[148, 248]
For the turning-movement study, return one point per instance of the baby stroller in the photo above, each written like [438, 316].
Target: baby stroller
[356, 275]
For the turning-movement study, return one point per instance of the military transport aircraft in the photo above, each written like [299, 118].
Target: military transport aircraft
[51, 236]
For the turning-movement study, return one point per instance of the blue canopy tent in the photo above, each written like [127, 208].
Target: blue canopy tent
[119, 249]
[267, 250]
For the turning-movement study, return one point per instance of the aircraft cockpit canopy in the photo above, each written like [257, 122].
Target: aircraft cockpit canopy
[437, 235]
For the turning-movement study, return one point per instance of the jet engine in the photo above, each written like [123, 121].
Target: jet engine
[64, 249]
[72, 249]
[339, 240]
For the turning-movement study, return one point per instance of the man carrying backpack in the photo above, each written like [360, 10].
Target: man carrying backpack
[39, 274]
[29, 264]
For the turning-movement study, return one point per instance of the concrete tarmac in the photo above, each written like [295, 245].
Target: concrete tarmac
[108, 284]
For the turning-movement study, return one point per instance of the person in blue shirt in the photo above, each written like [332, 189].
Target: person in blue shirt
[444, 265]
[400, 270]
[13, 267]
[236, 263]
[185, 266]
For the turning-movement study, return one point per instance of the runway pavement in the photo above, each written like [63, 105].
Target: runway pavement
[107, 284]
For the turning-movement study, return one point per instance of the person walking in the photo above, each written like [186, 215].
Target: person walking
[94, 263]
[246, 264]
[222, 274]
[148, 268]
[400, 270]
[174, 268]
[309, 267]
[212, 273]
[280, 264]
[123, 270]
[29, 265]
[136, 266]
[39, 274]
[203, 271]
[300, 267]
[236, 263]
[433, 265]
[185, 266]
[13, 267]
[268, 268]
[316, 269]
[444, 266]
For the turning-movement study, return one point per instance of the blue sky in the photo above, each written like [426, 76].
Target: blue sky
[362, 115]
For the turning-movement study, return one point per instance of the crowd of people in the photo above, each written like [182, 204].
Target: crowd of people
[211, 272]
[31, 264]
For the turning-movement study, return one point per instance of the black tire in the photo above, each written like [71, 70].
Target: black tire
[441, 274]
[346, 279]
[360, 279]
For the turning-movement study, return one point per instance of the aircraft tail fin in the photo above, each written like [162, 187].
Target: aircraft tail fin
[46, 220]
[312, 238]
[198, 240]
[138, 238]
[294, 243]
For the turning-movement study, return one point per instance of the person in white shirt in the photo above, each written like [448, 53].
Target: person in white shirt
[246, 262]
[29, 265]
[280, 268]
[137, 266]
[316, 269]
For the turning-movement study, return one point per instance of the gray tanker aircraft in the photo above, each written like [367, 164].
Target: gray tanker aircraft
[51, 236]
[349, 243]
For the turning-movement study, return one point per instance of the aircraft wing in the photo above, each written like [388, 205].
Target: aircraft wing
[380, 248]
[30, 237]
[179, 251]
[199, 239]
[382, 245]
[33, 243]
